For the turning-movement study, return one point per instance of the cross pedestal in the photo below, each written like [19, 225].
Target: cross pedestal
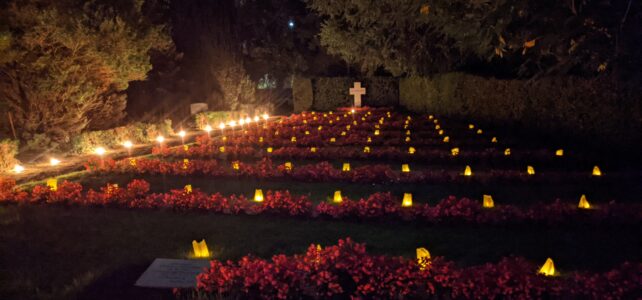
[357, 91]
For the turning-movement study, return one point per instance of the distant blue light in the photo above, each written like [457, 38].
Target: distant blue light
[291, 24]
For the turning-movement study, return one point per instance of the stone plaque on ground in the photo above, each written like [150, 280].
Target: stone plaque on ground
[172, 273]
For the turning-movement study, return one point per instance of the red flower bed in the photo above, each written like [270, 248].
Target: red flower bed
[346, 270]
[324, 171]
[378, 206]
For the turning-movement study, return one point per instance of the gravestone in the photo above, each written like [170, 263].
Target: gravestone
[172, 273]
[357, 91]
[195, 108]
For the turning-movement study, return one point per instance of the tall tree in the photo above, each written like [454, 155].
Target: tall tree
[65, 64]
[529, 38]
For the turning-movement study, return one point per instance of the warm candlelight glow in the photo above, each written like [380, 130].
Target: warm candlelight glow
[530, 170]
[559, 152]
[411, 150]
[596, 171]
[182, 133]
[258, 195]
[548, 269]
[346, 167]
[423, 258]
[221, 126]
[128, 144]
[407, 200]
[54, 162]
[100, 151]
[584, 204]
[405, 168]
[200, 249]
[488, 201]
[337, 197]
[160, 138]
[468, 171]
[507, 152]
[454, 151]
[265, 117]
[18, 169]
[208, 128]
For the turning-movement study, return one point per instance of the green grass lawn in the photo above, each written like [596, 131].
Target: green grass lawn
[98, 253]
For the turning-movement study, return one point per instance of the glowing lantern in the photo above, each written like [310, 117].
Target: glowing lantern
[530, 170]
[348, 127]
[128, 144]
[160, 139]
[208, 128]
[293, 139]
[185, 163]
[54, 162]
[313, 149]
[584, 204]
[441, 132]
[548, 269]
[369, 140]
[305, 121]
[200, 249]
[343, 133]
[454, 151]
[337, 197]
[52, 183]
[446, 139]
[366, 149]
[407, 200]
[221, 149]
[256, 118]
[260, 139]
[236, 165]
[319, 128]
[288, 166]
[468, 171]
[559, 152]
[376, 132]
[258, 195]
[407, 132]
[221, 126]
[182, 133]
[188, 189]
[430, 117]
[411, 150]
[346, 167]
[231, 124]
[488, 201]
[405, 168]
[437, 127]
[407, 139]
[185, 148]
[423, 258]
[100, 151]
[471, 126]
[332, 140]
[132, 162]
[596, 171]
[479, 131]
[269, 150]
[435, 121]
[307, 132]
[276, 132]
[494, 140]
[507, 152]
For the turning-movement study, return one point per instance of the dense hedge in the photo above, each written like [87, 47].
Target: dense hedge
[302, 94]
[8, 151]
[593, 109]
[332, 92]
[87, 141]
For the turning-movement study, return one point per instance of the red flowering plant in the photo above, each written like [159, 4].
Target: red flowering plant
[65, 193]
[346, 270]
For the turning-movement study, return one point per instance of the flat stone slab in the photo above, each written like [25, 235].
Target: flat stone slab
[172, 273]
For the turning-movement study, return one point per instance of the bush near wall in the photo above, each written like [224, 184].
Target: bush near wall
[8, 152]
[139, 133]
[593, 109]
[214, 118]
[302, 94]
[331, 92]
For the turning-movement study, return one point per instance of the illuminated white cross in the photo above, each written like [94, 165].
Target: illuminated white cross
[357, 91]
